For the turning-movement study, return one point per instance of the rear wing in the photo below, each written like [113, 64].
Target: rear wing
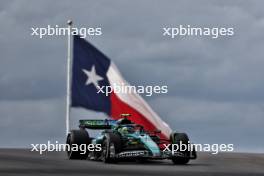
[97, 124]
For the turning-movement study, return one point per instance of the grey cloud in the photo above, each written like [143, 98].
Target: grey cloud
[214, 84]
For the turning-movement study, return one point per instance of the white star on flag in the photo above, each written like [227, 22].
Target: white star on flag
[92, 77]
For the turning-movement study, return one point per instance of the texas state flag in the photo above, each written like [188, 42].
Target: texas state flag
[91, 68]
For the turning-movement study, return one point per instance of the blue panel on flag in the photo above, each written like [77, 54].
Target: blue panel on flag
[88, 71]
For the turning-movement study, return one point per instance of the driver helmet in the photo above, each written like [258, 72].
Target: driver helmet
[126, 130]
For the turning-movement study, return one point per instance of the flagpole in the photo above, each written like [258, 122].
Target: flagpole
[69, 74]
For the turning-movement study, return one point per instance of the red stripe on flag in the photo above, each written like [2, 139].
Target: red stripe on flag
[119, 107]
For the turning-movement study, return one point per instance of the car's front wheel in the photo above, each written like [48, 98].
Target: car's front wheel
[181, 139]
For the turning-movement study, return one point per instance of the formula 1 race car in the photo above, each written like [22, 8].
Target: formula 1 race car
[124, 140]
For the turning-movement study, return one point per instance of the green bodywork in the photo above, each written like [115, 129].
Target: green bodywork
[132, 138]
[147, 141]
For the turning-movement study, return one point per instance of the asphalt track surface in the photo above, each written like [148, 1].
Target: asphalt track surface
[25, 162]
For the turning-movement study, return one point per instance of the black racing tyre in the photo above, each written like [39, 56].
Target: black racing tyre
[178, 138]
[76, 138]
[110, 147]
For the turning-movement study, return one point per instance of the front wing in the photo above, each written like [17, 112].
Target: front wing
[148, 155]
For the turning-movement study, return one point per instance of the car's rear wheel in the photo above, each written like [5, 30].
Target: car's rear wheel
[77, 142]
[110, 147]
[181, 138]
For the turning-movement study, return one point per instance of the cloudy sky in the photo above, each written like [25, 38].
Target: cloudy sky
[215, 85]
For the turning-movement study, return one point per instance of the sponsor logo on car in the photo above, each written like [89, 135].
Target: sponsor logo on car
[131, 154]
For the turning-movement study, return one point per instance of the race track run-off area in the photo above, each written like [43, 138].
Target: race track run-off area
[25, 162]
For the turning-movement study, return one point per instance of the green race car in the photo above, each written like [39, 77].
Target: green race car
[124, 140]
